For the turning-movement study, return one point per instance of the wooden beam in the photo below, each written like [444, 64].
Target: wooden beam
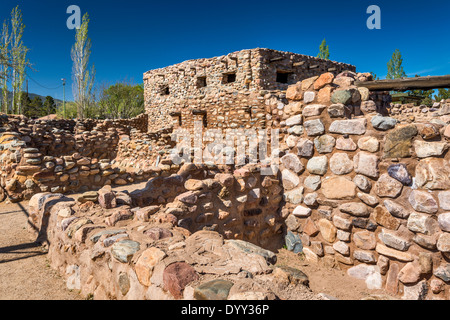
[198, 112]
[405, 84]
[298, 64]
[277, 59]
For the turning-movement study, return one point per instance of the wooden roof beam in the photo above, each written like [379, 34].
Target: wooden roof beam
[405, 84]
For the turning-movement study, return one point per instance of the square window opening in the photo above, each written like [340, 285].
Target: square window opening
[165, 91]
[283, 77]
[229, 78]
[201, 82]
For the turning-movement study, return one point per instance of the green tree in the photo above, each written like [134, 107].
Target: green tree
[5, 66]
[25, 102]
[13, 61]
[71, 110]
[83, 78]
[18, 53]
[324, 51]
[443, 94]
[50, 105]
[395, 68]
[121, 100]
[35, 108]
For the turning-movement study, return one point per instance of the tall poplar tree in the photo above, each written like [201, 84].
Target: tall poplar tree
[18, 57]
[5, 65]
[83, 78]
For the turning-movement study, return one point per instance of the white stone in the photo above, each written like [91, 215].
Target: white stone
[392, 240]
[422, 223]
[366, 164]
[444, 200]
[341, 164]
[317, 165]
[313, 110]
[444, 221]
[370, 144]
[302, 212]
[354, 126]
[370, 274]
[295, 120]
[294, 196]
[314, 127]
[290, 180]
[426, 149]
[312, 182]
[309, 96]
[342, 248]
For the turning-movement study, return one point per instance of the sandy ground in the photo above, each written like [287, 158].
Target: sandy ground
[24, 269]
[25, 273]
[333, 282]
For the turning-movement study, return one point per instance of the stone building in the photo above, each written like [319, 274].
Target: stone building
[230, 91]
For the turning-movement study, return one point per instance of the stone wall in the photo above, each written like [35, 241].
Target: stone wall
[179, 238]
[230, 88]
[357, 190]
[62, 156]
[439, 112]
[366, 193]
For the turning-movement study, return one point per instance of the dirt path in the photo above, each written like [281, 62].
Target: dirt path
[25, 273]
[24, 270]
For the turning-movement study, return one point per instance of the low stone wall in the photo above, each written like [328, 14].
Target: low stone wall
[143, 149]
[63, 156]
[365, 193]
[439, 112]
[181, 237]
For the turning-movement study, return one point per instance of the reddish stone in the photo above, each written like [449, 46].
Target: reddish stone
[107, 198]
[310, 228]
[118, 216]
[324, 79]
[144, 214]
[225, 179]
[392, 279]
[447, 132]
[166, 217]
[410, 274]
[385, 219]
[176, 276]
[44, 176]
[294, 93]
[324, 95]
[158, 233]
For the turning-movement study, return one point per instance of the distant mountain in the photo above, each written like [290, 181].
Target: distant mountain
[32, 95]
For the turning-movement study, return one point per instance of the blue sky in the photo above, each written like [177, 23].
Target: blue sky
[131, 37]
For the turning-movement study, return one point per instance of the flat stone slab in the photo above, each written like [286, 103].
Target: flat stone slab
[354, 126]
[213, 290]
[248, 247]
[124, 250]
